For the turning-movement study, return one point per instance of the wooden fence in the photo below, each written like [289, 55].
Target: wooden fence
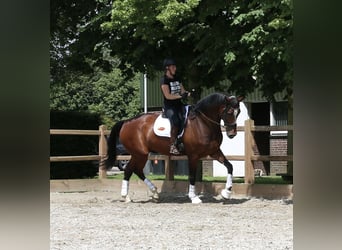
[248, 157]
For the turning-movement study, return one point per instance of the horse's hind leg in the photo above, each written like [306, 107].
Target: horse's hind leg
[139, 171]
[125, 182]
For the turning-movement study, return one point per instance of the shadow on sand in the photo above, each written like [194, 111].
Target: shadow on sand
[167, 198]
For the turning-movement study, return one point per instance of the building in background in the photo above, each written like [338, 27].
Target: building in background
[253, 107]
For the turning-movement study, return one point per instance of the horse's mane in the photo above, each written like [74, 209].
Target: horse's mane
[209, 101]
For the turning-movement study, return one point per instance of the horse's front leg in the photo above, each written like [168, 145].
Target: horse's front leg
[226, 192]
[193, 163]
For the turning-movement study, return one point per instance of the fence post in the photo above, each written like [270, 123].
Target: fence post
[249, 169]
[102, 152]
[169, 169]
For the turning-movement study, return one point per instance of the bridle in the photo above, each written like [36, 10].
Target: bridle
[209, 119]
[225, 113]
[236, 112]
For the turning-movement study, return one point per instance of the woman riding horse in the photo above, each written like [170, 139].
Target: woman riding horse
[202, 137]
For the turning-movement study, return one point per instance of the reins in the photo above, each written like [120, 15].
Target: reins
[211, 120]
[225, 126]
[217, 99]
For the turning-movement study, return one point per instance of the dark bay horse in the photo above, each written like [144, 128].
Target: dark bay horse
[202, 137]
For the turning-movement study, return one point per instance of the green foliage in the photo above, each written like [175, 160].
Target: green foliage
[248, 43]
[106, 94]
[267, 36]
[148, 31]
[84, 72]
[74, 32]
[172, 13]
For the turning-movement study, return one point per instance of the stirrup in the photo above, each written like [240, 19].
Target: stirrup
[174, 150]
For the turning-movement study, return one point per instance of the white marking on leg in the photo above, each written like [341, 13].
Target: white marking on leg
[191, 191]
[226, 192]
[124, 188]
[192, 195]
[150, 184]
[229, 182]
[152, 188]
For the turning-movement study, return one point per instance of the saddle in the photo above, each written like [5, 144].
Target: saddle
[162, 125]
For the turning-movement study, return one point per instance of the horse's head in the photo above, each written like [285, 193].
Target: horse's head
[229, 114]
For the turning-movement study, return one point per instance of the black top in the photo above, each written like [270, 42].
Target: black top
[175, 89]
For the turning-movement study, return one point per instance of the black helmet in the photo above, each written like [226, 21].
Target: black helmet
[168, 62]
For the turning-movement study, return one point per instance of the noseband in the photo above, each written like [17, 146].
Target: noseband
[225, 113]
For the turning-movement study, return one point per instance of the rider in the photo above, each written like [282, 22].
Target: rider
[173, 92]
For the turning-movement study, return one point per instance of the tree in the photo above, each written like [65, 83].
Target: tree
[74, 33]
[84, 77]
[107, 94]
[248, 43]
[267, 37]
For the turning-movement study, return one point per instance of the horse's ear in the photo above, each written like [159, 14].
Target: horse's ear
[240, 98]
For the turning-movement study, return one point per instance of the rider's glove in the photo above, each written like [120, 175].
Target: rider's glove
[184, 96]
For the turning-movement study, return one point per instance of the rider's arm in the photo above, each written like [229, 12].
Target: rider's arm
[166, 92]
[183, 90]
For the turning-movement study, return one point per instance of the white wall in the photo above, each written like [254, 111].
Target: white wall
[235, 146]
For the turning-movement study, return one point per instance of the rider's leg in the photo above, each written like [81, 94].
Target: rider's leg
[179, 140]
[174, 120]
[173, 145]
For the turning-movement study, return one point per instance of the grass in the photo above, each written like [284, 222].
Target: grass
[258, 180]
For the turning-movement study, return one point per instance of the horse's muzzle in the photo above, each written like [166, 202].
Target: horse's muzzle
[231, 133]
[231, 136]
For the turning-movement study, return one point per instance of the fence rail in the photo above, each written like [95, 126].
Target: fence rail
[248, 157]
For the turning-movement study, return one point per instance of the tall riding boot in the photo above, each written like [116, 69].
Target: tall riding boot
[173, 146]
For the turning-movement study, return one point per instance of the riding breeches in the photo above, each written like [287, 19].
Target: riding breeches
[175, 116]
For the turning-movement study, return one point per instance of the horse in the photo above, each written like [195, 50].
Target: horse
[202, 136]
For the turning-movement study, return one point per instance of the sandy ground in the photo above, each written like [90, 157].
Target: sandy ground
[101, 220]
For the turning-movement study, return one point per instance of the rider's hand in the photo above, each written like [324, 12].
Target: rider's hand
[185, 95]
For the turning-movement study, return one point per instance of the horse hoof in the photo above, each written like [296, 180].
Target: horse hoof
[196, 200]
[127, 199]
[154, 199]
[226, 193]
[154, 195]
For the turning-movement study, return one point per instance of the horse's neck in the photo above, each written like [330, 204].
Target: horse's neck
[211, 115]
[207, 123]
[205, 128]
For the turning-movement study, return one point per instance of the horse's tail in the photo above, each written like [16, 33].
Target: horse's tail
[111, 144]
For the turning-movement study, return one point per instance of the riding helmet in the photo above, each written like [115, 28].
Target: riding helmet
[168, 62]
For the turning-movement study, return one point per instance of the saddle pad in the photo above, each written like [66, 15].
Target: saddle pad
[162, 126]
